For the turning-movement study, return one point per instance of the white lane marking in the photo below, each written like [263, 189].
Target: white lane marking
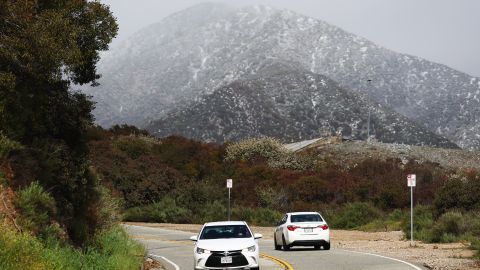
[167, 260]
[385, 257]
[153, 228]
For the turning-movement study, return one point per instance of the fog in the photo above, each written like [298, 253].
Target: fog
[443, 31]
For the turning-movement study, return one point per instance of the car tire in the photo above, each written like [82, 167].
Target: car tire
[285, 246]
[277, 247]
[256, 268]
[326, 246]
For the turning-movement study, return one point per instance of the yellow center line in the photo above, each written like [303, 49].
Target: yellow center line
[284, 264]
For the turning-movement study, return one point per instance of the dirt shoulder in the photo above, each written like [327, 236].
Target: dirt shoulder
[453, 256]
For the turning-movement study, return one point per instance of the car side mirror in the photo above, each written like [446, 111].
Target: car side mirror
[194, 238]
[257, 236]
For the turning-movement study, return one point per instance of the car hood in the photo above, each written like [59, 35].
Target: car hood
[226, 244]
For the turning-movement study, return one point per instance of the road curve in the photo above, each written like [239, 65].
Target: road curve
[176, 247]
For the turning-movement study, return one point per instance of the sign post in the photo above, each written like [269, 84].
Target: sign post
[229, 187]
[411, 181]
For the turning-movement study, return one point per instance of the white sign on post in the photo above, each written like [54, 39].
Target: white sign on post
[412, 180]
[229, 183]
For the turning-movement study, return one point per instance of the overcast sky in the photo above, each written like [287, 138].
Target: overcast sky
[444, 31]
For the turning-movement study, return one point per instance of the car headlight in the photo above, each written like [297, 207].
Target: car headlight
[249, 249]
[202, 251]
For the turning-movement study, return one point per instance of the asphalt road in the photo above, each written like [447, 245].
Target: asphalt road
[176, 247]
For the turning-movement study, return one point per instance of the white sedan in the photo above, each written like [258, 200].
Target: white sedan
[302, 229]
[226, 245]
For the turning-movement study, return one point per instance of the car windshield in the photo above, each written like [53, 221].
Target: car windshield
[225, 231]
[306, 218]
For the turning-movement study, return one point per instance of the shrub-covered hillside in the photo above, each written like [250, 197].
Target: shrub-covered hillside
[144, 170]
[175, 179]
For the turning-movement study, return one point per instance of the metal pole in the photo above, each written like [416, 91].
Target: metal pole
[229, 204]
[368, 128]
[411, 216]
[368, 104]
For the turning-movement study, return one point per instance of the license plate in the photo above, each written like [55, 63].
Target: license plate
[227, 259]
[308, 230]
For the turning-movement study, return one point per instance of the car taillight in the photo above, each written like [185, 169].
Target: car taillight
[292, 227]
[323, 227]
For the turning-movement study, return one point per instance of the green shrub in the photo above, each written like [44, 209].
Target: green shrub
[266, 147]
[213, 211]
[37, 208]
[7, 146]
[20, 251]
[391, 222]
[166, 210]
[268, 197]
[422, 223]
[449, 227]
[111, 249]
[3, 179]
[476, 246]
[459, 192]
[354, 215]
[269, 149]
[109, 209]
[135, 146]
[257, 216]
[243, 213]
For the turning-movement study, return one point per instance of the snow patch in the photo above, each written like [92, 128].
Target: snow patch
[314, 63]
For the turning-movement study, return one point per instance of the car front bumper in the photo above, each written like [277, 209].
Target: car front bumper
[202, 262]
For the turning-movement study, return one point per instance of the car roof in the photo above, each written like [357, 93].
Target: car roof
[302, 213]
[223, 223]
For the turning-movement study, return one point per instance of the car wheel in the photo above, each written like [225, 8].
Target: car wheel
[277, 246]
[317, 246]
[326, 246]
[285, 246]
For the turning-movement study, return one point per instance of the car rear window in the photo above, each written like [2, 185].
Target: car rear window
[226, 231]
[306, 218]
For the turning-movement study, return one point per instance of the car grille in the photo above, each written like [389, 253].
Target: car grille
[237, 259]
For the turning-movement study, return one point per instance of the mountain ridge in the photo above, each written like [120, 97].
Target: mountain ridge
[165, 69]
[289, 104]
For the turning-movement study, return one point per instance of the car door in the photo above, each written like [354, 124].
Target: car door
[279, 229]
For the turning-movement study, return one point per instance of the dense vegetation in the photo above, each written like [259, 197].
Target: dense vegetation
[60, 216]
[179, 180]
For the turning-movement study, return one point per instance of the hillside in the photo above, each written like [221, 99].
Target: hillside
[290, 104]
[354, 184]
[174, 63]
[349, 153]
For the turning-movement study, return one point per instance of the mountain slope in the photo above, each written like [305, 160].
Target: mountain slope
[289, 104]
[192, 53]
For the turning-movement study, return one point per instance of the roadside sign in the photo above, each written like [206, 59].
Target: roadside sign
[411, 180]
[229, 186]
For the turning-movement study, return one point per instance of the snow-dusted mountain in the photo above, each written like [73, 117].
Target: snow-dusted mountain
[292, 105]
[174, 63]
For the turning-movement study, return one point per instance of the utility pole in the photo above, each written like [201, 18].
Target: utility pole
[368, 105]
